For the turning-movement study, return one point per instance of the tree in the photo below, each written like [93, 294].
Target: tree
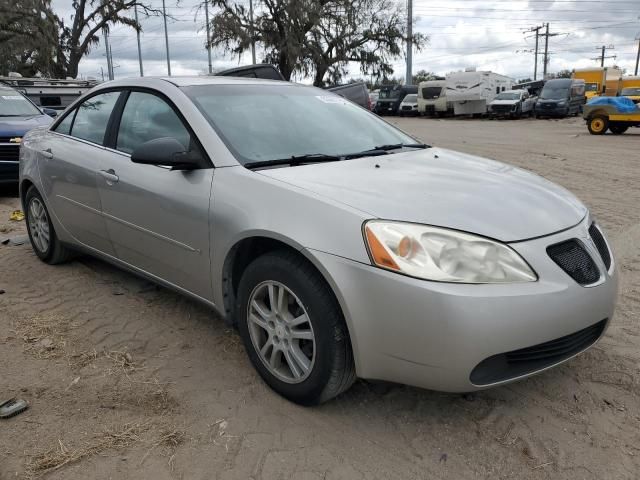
[82, 33]
[34, 40]
[317, 38]
[524, 80]
[564, 74]
[423, 76]
[28, 37]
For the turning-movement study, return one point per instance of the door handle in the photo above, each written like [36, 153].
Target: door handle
[47, 154]
[110, 176]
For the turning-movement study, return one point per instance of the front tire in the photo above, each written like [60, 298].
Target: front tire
[293, 329]
[44, 241]
[598, 125]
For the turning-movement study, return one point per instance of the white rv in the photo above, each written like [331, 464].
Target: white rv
[432, 98]
[471, 92]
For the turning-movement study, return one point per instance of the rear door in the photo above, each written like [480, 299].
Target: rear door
[157, 219]
[74, 155]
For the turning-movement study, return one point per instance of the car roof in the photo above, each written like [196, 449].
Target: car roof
[187, 81]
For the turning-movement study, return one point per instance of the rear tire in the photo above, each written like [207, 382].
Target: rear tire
[44, 241]
[598, 124]
[273, 339]
[618, 129]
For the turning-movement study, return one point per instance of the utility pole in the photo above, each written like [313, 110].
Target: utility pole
[603, 55]
[638, 56]
[409, 76]
[253, 43]
[546, 51]
[166, 37]
[535, 65]
[105, 32]
[206, 17]
[135, 12]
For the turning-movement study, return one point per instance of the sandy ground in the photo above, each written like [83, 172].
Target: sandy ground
[126, 380]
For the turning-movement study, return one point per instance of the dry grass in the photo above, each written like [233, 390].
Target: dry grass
[43, 335]
[61, 455]
[122, 362]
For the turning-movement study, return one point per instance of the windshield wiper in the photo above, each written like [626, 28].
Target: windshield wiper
[294, 160]
[394, 146]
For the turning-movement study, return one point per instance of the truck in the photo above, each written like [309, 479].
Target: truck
[613, 82]
[630, 87]
[471, 91]
[512, 104]
[391, 97]
[47, 92]
[432, 98]
[594, 80]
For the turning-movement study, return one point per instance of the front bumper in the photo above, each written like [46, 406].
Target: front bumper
[9, 171]
[433, 335]
[551, 110]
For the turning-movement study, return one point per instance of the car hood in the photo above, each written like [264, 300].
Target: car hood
[443, 188]
[18, 126]
[504, 102]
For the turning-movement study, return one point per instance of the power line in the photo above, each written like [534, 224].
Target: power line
[602, 56]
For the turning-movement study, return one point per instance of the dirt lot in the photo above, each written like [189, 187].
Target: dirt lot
[126, 380]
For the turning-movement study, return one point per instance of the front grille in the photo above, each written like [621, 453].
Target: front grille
[9, 152]
[406, 107]
[501, 108]
[601, 245]
[572, 257]
[516, 363]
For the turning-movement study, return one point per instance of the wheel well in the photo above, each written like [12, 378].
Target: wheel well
[24, 187]
[238, 259]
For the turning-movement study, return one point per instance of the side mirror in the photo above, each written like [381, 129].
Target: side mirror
[50, 111]
[166, 151]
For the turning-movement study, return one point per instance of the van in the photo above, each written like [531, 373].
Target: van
[561, 97]
[432, 98]
[391, 97]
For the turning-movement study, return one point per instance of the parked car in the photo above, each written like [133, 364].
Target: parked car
[561, 97]
[18, 115]
[358, 93]
[512, 104]
[338, 245]
[409, 105]
[391, 96]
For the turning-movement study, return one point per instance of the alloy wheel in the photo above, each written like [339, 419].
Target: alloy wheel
[39, 225]
[281, 332]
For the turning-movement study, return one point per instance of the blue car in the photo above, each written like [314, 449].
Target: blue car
[18, 115]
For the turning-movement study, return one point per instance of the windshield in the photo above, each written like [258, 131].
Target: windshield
[508, 96]
[411, 98]
[12, 104]
[270, 122]
[590, 87]
[554, 92]
[388, 93]
[631, 91]
[431, 93]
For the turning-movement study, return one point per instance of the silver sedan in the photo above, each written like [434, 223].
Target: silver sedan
[339, 246]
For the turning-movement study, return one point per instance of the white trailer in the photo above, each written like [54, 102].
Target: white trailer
[471, 92]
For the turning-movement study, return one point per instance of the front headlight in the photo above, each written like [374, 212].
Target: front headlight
[562, 104]
[443, 255]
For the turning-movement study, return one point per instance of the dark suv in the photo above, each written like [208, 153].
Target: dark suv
[18, 115]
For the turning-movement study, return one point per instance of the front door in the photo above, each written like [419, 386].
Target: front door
[157, 219]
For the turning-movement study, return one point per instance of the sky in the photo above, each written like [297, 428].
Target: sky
[487, 35]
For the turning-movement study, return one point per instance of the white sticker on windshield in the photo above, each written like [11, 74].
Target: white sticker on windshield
[330, 99]
[12, 97]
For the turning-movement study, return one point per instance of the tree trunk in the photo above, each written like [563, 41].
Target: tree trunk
[318, 80]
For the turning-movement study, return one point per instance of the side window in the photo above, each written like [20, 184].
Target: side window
[147, 117]
[92, 117]
[65, 125]
[497, 90]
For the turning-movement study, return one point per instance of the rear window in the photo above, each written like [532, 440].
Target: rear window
[389, 93]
